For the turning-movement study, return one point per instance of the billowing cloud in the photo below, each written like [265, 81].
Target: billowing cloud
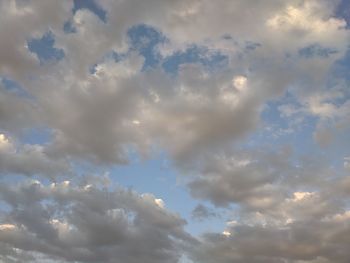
[28, 160]
[304, 228]
[88, 223]
[306, 241]
[238, 96]
[131, 99]
[21, 21]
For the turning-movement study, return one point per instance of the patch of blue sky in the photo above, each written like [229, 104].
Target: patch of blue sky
[195, 54]
[92, 6]
[11, 85]
[278, 130]
[214, 224]
[343, 11]
[272, 114]
[14, 178]
[299, 135]
[341, 67]
[154, 176]
[37, 135]
[144, 39]
[44, 48]
[158, 176]
[341, 71]
[298, 131]
[69, 28]
[4, 207]
[14, 87]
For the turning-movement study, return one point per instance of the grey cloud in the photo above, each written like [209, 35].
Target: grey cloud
[29, 160]
[21, 20]
[16, 112]
[258, 179]
[306, 241]
[119, 107]
[95, 117]
[89, 224]
[296, 226]
[242, 178]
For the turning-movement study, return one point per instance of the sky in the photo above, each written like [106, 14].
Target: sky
[174, 131]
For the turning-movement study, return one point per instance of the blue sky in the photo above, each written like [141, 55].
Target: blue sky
[174, 131]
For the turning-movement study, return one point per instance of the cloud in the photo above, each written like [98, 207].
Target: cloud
[22, 20]
[302, 227]
[246, 178]
[119, 107]
[101, 116]
[29, 160]
[286, 223]
[84, 224]
[307, 241]
[16, 112]
[104, 98]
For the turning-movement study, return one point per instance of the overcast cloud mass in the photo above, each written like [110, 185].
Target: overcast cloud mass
[174, 131]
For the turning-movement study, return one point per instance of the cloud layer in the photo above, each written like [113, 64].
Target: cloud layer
[247, 100]
[88, 224]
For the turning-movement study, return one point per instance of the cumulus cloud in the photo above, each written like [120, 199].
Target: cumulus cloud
[307, 241]
[22, 20]
[102, 102]
[282, 224]
[248, 178]
[211, 109]
[88, 223]
[120, 107]
[300, 227]
[28, 160]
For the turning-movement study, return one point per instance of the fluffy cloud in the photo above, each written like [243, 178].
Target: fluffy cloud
[102, 103]
[22, 20]
[88, 223]
[307, 241]
[281, 224]
[302, 227]
[119, 108]
[28, 160]
[101, 116]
